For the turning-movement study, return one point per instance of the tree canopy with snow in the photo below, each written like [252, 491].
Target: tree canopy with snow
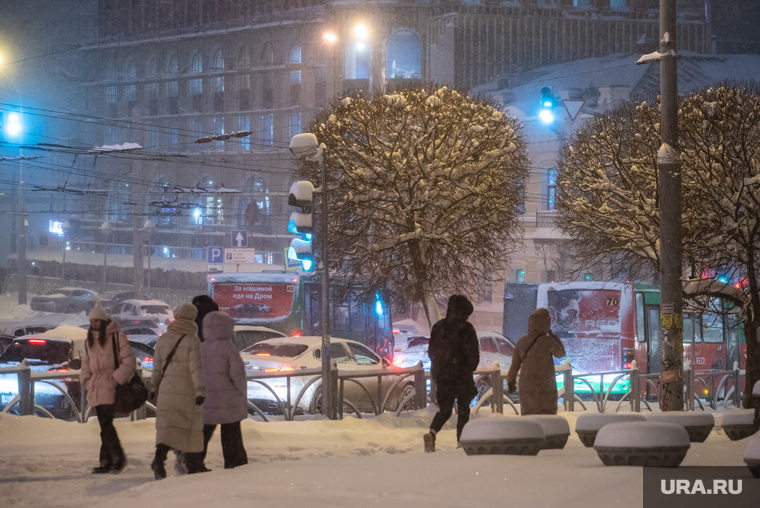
[424, 191]
[608, 199]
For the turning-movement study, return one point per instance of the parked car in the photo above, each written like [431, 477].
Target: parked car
[57, 350]
[153, 314]
[9, 330]
[111, 298]
[144, 350]
[404, 329]
[251, 308]
[287, 354]
[245, 336]
[71, 300]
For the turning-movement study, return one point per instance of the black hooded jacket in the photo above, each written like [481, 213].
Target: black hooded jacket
[453, 349]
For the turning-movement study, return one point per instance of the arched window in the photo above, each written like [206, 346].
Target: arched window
[267, 79]
[111, 90]
[131, 90]
[173, 86]
[267, 54]
[218, 82]
[403, 56]
[295, 75]
[152, 88]
[244, 80]
[196, 85]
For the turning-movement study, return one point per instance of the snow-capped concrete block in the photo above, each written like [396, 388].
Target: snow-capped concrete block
[650, 444]
[505, 436]
[556, 431]
[588, 425]
[698, 425]
[738, 424]
[752, 457]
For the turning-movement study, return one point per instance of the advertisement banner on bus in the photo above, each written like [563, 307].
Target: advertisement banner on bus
[260, 301]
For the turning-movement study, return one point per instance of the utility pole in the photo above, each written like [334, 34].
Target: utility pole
[21, 238]
[138, 208]
[671, 270]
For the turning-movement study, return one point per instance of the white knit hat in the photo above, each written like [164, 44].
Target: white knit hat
[98, 312]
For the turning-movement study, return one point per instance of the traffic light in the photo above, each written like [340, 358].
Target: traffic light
[548, 101]
[10, 122]
[300, 223]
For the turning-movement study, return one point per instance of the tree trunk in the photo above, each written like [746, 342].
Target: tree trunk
[427, 296]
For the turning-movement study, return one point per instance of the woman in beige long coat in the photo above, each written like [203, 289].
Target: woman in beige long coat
[181, 390]
[533, 358]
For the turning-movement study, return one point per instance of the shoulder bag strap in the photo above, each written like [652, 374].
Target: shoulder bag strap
[115, 354]
[531, 344]
[171, 355]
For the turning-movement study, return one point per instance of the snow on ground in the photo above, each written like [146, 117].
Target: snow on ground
[10, 310]
[373, 461]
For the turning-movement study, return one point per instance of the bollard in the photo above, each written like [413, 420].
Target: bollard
[333, 387]
[737, 394]
[25, 389]
[497, 400]
[420, 388]
[635, 388]
[569, 388]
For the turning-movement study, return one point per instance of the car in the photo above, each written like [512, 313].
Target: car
[109, 299]
[153, 314]
[404, 329]
[144, 350]
[9, 330]
[57, 350]
[70, 300]
[287, 354]
[251, 308]
[245, 336]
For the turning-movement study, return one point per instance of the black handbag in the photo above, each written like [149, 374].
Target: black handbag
[132, 394]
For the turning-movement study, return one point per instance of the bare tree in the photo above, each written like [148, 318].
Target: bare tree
[609, 197]
[424, 190]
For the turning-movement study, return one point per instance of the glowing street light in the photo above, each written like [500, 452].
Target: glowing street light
[546, 116]
[361, 32]
[13, 124]
[330, 37]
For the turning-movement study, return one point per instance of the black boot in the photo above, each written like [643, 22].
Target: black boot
[103, 468]
[157, 466]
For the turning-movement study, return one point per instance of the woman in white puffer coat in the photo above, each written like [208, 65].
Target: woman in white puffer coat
[226, 388]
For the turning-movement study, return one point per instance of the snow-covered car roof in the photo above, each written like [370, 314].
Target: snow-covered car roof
[74, 335]
[144, 303]
[8, 326]
[242, 328]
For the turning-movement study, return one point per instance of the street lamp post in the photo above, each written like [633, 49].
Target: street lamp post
[105, 228]
[65, 227]
[149, 227]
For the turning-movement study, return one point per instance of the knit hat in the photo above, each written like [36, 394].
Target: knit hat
[540, 321]
[98, 312]
[186, 311]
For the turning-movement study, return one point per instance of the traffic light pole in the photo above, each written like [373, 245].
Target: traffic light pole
[328, 405]
[671, 307]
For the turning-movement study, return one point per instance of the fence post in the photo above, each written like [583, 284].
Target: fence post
[333, 387]
[689, 374]
[497, 400]
[420, 388]
[25, 389]
[635, 388]
[737, 392]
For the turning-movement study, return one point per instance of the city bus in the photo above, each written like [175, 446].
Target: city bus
[604, 326]
[291, 303]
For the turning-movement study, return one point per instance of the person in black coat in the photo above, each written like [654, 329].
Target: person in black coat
[454, 356]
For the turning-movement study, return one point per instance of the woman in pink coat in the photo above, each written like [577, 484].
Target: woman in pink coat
[101, 377]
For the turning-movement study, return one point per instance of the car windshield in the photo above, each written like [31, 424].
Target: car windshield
[154, 309]
[46, 351]
[279, 350]
[418, 341]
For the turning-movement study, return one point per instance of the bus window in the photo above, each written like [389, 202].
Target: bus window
[640, 325]
[339, 353]
[688, 328]
[712, 327]
[653, 331]
[363, 355]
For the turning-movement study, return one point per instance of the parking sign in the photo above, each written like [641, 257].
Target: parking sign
[216, 254]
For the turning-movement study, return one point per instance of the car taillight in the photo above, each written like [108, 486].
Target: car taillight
[627, 365]
[60, 370]
[37, 341]
[284, 368]
[297, 334]
[396, 331]
[263, 354]
[398, 360]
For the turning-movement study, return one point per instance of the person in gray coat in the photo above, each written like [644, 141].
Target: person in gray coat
[533, 359]
[226, 388]
[178, 380]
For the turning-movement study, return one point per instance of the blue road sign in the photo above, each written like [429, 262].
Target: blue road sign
[239, 238]
[216, 255]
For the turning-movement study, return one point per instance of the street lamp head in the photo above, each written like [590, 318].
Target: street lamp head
[66, 226]
[304, 145]
[330, 37]
[149, 224]
[361, 32]
[106, 226]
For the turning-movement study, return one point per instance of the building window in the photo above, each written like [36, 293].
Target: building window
[267, 129]
[520, 275]
[211, 206]
[294, 124]
[267, 91]
[244, 81]
[111, 91]
[197, 128]
[131, 90]
[173, 86]
[152, 89]
[244, 124]
[582, 4]
[174, 132]
[112, 136]
[218, 82]
[356, 60]
[403, 56]
[196, 85]
[219, 130]
[552, 190]
[618, 5]
[295, 76]
[320, 87]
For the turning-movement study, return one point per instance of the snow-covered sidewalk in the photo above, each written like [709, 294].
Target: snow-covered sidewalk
[373, 461]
